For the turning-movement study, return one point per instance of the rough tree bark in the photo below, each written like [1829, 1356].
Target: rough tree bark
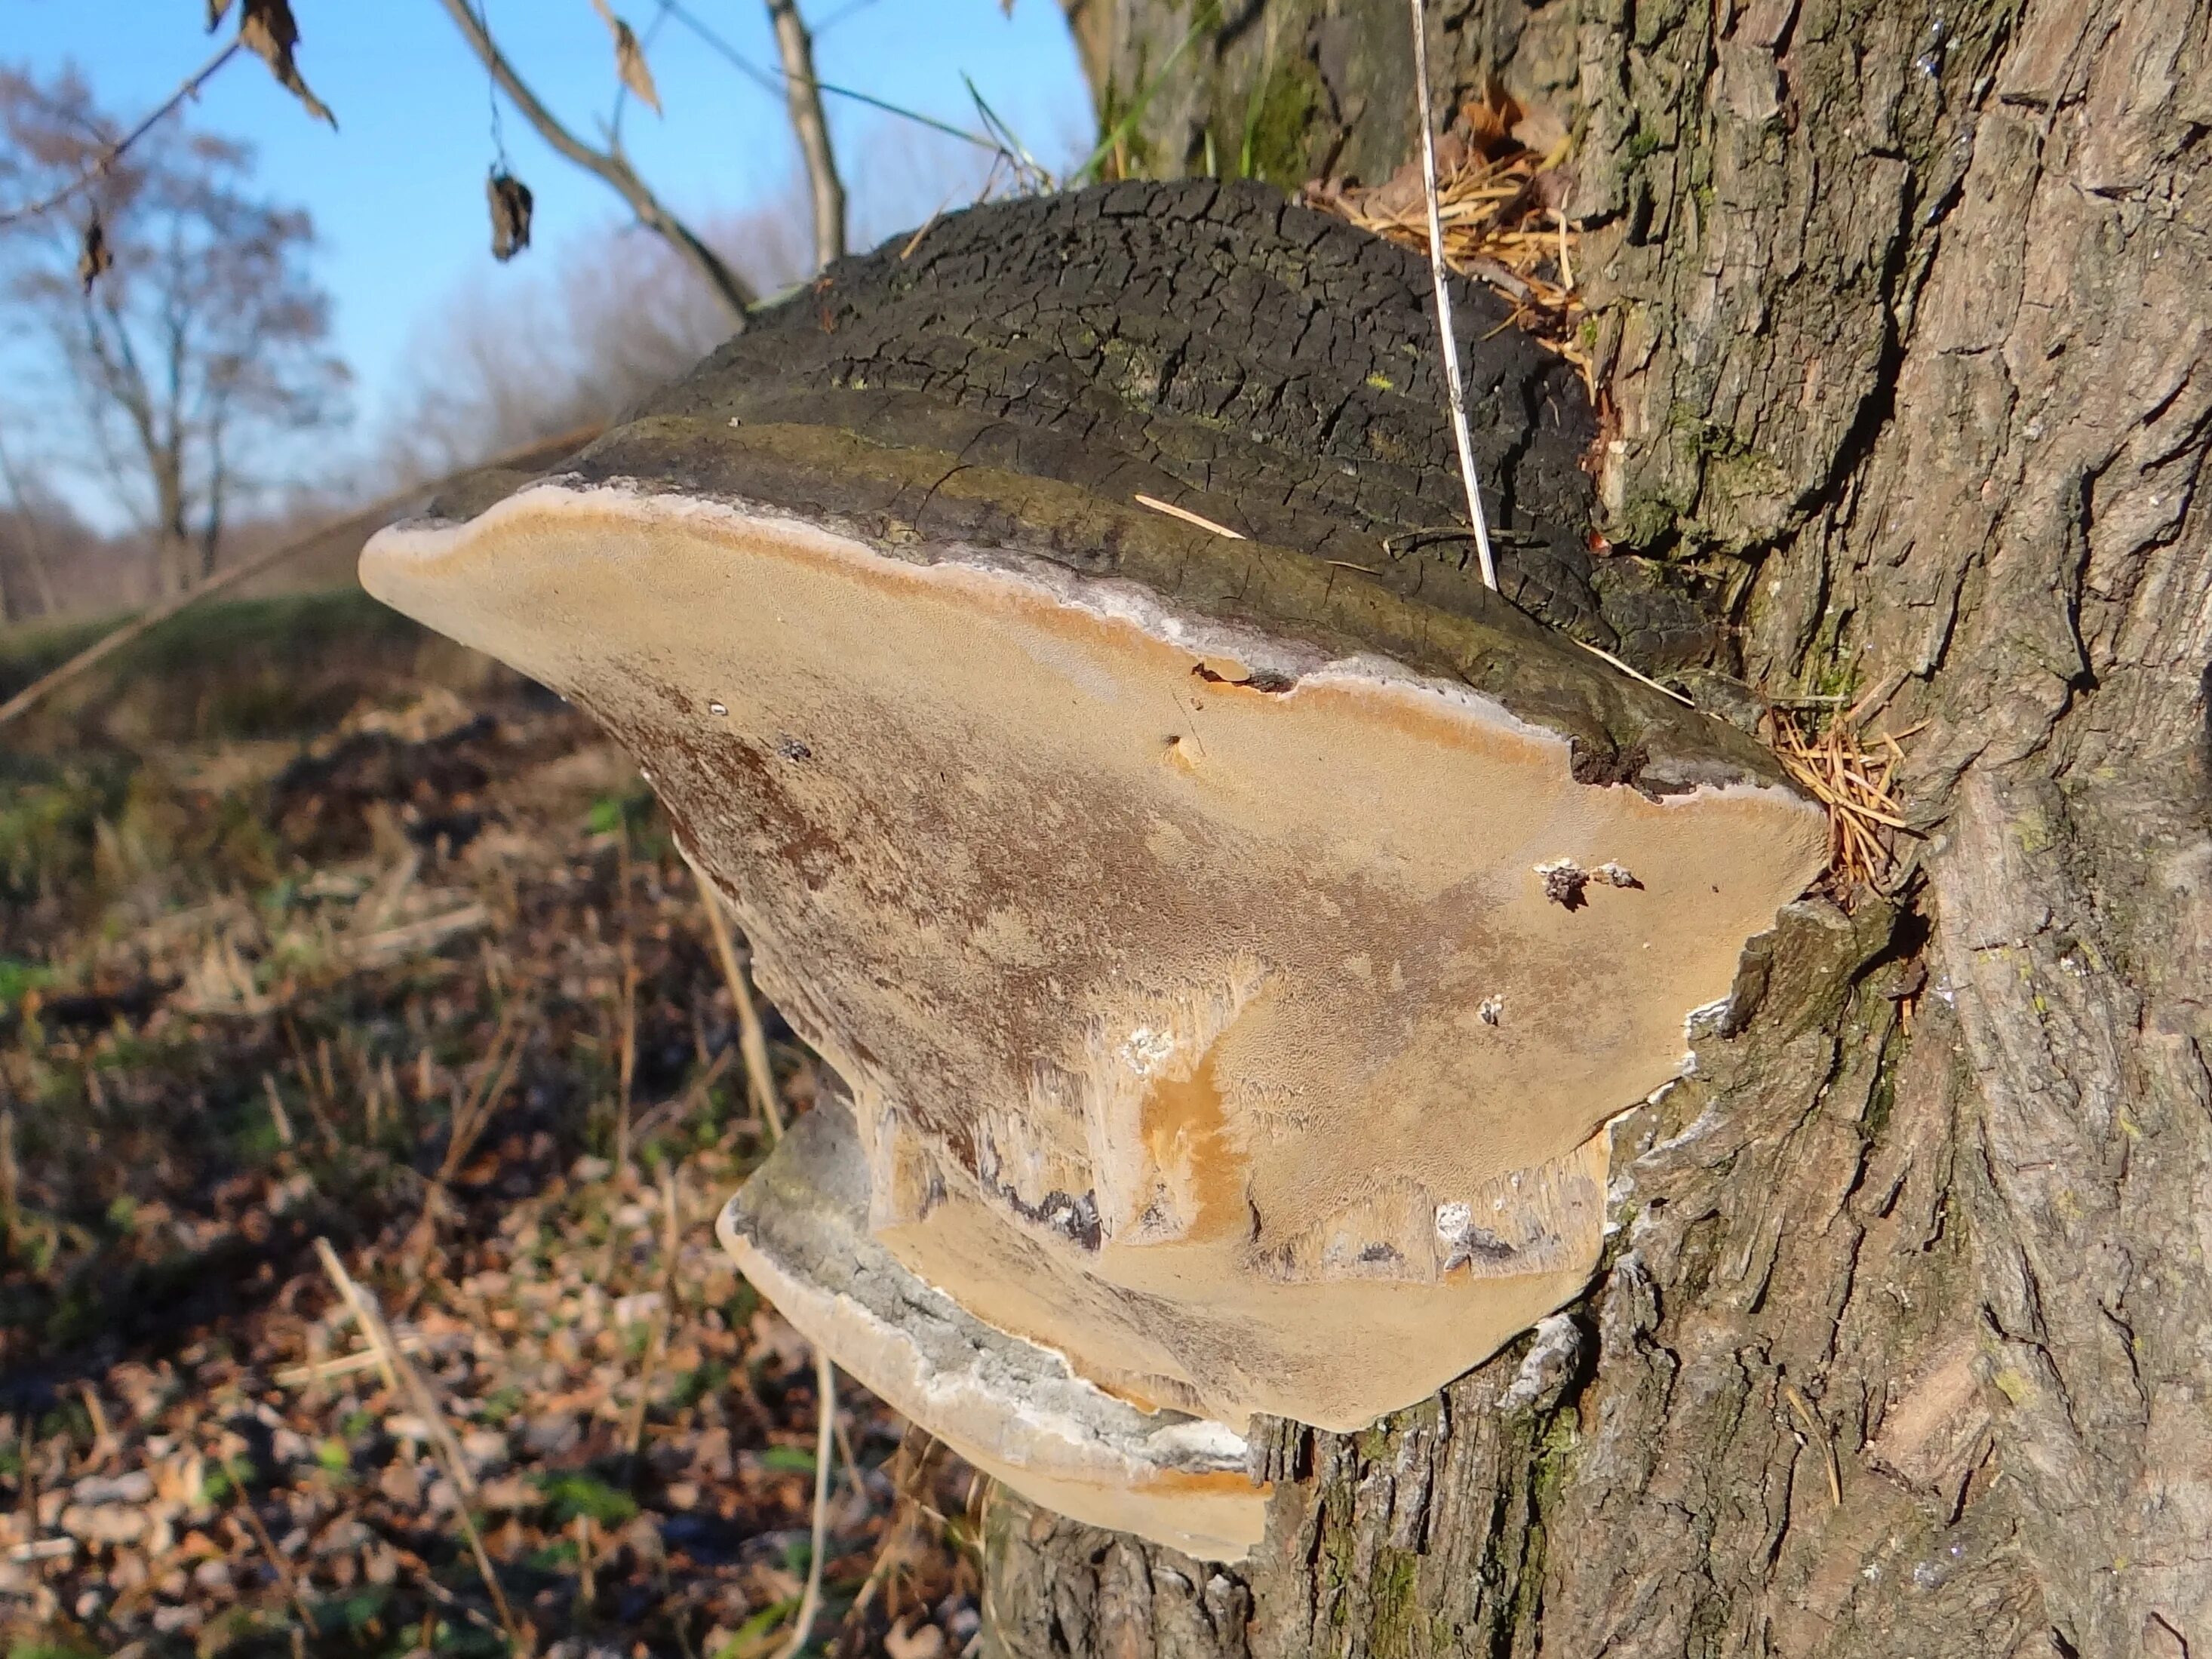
[1904, 1347]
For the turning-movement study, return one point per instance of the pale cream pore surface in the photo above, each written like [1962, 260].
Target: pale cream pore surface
[1184, 978]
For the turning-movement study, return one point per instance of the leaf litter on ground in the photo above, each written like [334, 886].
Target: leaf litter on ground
[367, 987]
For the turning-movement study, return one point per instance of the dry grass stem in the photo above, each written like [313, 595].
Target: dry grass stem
[626, 1065]
[752, 1036]
[277, 1117]
[1852, 776]
[810, 1600]
[403, 1379]
[634, 1433]
[1818, 1431]
[1665, 690]
[1189, 517]
[587, 1587]
[10, 1181]
[1500, 212]
[1448, 337]
[472, 1115]
[349, 1364]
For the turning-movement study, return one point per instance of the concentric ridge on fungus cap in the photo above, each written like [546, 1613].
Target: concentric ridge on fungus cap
[1188, 918]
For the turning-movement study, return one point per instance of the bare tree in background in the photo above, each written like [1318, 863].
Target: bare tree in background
[23, 549]
[176, 304]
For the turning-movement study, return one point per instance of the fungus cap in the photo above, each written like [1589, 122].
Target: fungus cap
[1229, 1005]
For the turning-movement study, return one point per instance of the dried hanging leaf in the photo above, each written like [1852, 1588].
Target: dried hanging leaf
[265, 28]
[94, 256]
[629, 57]
[510, 215]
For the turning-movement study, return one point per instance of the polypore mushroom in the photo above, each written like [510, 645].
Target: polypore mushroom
[1189, 917]
[800, 1229]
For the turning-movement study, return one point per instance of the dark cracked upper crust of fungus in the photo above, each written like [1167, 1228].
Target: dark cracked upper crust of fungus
[1017, 374]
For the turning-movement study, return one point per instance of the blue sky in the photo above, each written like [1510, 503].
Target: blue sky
[397, 192]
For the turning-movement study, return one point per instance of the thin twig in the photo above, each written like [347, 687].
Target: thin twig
[810, 1600]
[403, 1380]
[673, 1111]
[771, 82]
[437, 1592]
[1454, 382]
[803, 95]
[107, 158]
[633, 1440]
[752, 1040]
[282, 1567]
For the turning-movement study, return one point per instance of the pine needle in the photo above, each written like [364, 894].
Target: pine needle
[1853, 777]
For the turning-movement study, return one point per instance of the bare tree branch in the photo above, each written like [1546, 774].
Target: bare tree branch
[768, 82]
[733, 291]
[189, 88]
[804, 95]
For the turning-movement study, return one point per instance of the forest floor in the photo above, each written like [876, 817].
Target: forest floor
[407, 964]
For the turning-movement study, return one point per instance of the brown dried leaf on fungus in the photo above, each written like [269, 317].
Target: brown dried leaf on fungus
[265, 28]
[629, 58]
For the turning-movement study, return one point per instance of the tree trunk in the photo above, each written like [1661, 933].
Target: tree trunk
[1901, 1349]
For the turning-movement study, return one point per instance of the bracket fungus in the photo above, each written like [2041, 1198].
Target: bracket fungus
[1232, 949]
